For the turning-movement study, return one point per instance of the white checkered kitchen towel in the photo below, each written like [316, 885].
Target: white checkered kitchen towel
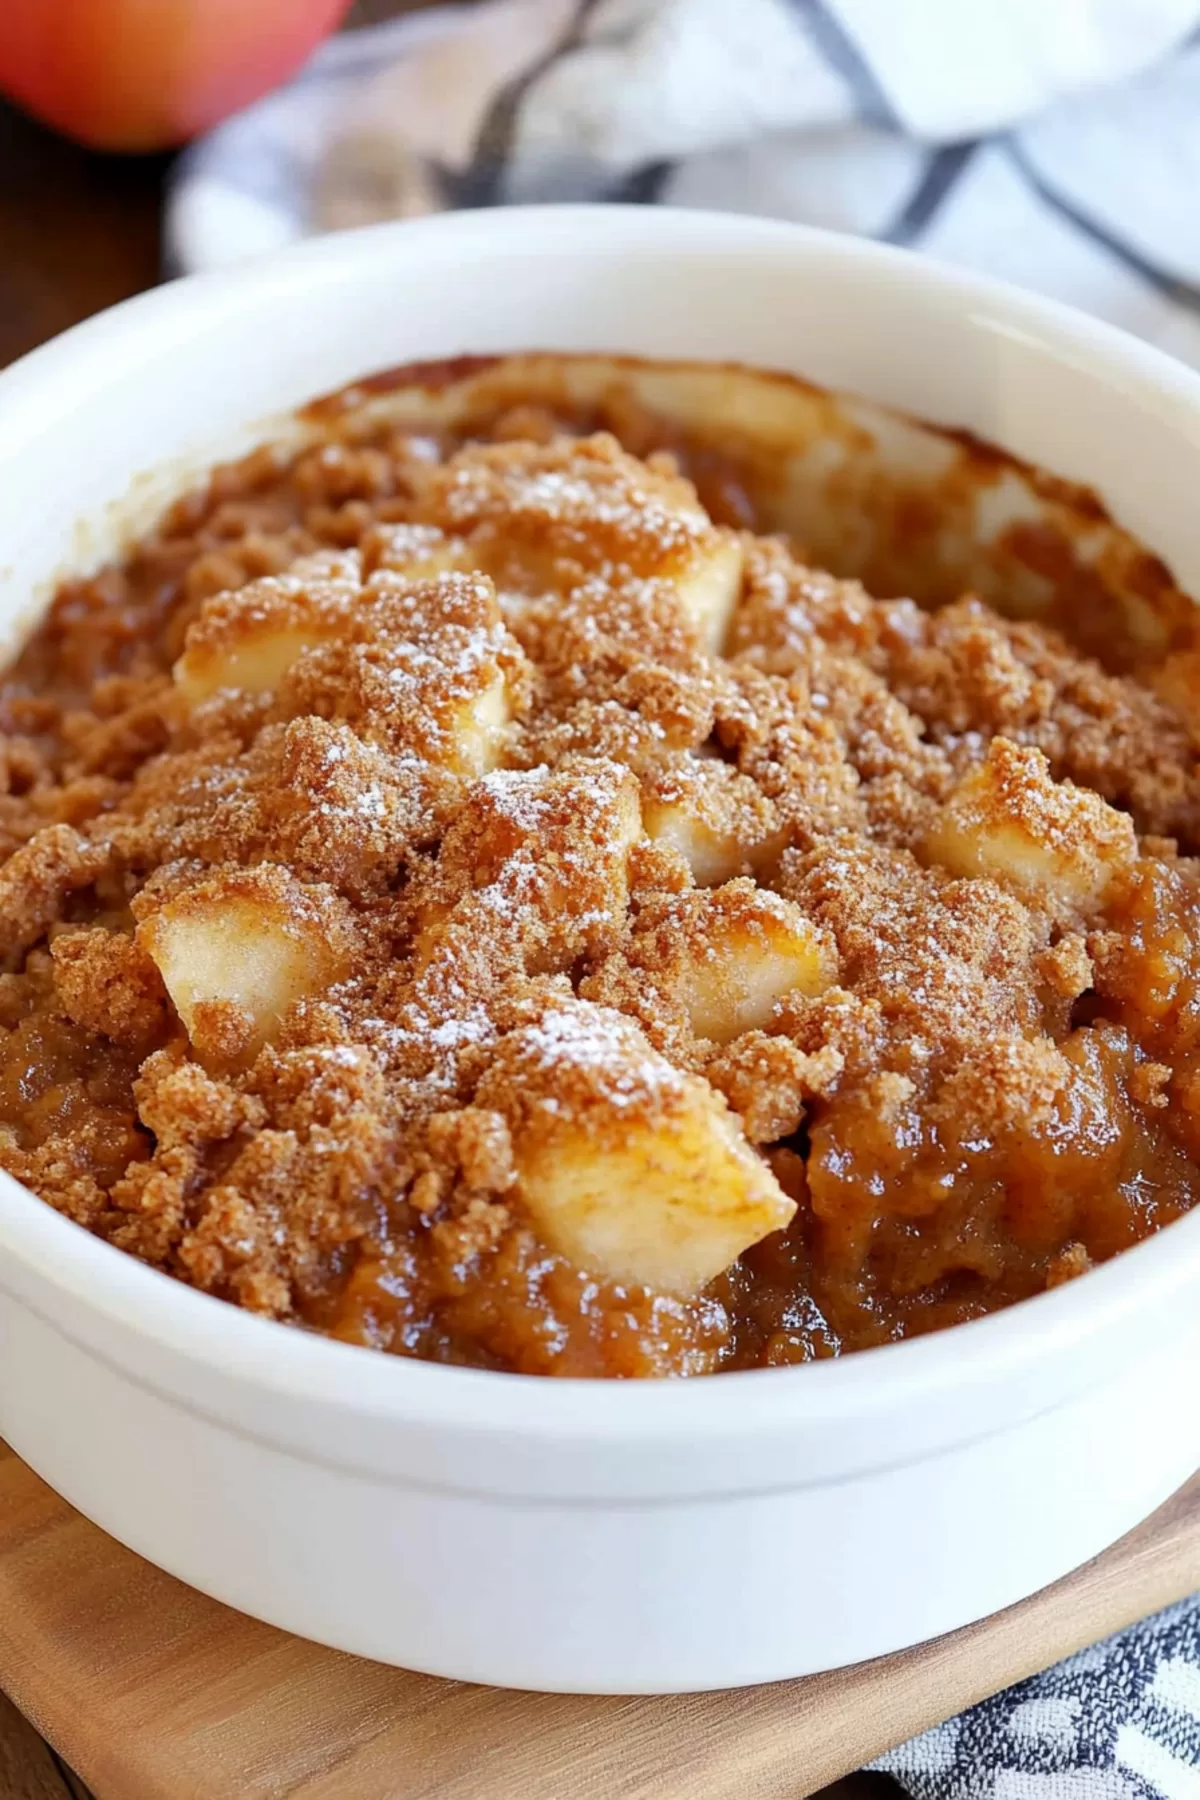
[1052, 142]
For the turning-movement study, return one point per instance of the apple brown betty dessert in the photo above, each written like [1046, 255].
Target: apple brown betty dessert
[469, 898]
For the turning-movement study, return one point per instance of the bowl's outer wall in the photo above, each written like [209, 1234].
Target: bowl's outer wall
[590, 1537]
[611, 1596]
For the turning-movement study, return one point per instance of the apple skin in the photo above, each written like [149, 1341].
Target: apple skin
[146, 74]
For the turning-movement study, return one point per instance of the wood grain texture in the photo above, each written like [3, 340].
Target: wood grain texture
[28, 1768]
[78, 232]
[77, 1791]
[153, 1692]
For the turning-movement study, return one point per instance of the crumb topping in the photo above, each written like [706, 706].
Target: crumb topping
[458, 897]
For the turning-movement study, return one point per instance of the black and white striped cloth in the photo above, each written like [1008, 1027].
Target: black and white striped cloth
[1052, 142]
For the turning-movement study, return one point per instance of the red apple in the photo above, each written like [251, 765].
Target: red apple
[143, 74]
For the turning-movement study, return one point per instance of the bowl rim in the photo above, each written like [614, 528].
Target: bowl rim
[97, 1278]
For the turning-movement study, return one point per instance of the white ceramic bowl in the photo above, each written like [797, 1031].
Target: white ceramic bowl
[590, 1536]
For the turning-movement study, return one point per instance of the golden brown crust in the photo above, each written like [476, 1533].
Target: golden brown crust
[108, 984]
[549, 516]
[37, 880]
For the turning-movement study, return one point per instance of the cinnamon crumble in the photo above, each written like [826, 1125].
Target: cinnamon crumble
[471, 895]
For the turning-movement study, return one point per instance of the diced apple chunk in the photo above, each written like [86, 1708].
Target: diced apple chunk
[423, 668]
[1011, 821]
[542, 857]
[248, 639]
[743, 949]
[544, 518]
[478, 733]
[709, 587]
[255, 666]
[415, 607]
[235, 951]
[670, 1206]
[414, 551]
[715, 817]
[712, 855]
[628, 1168]
[455, 717]
[454, 665]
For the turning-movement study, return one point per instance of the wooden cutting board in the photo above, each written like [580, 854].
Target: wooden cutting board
[153, 1692]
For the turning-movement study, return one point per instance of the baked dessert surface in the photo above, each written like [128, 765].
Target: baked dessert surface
[467, 896]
